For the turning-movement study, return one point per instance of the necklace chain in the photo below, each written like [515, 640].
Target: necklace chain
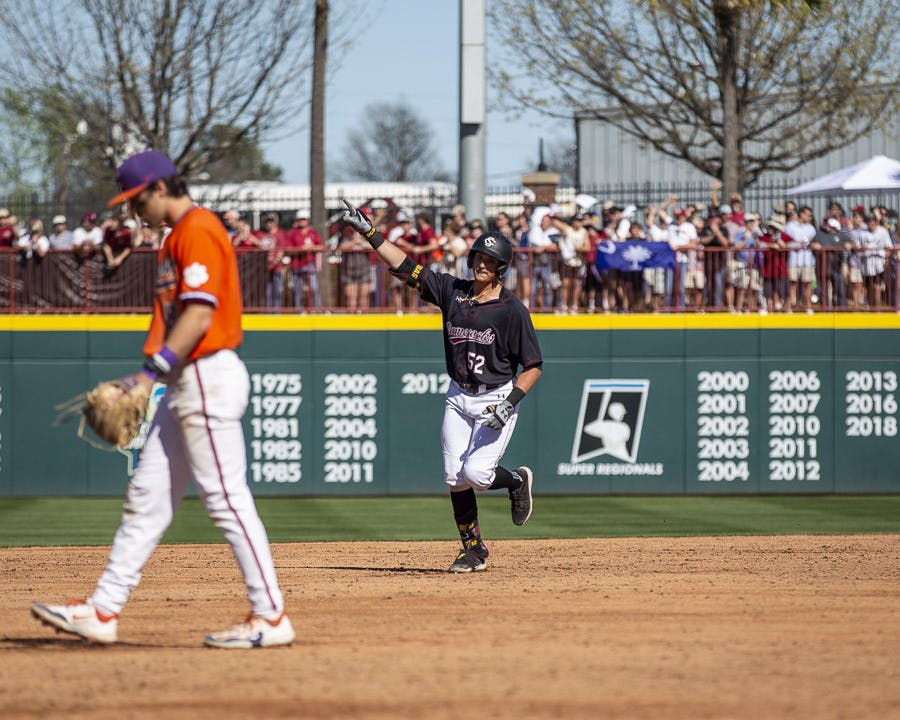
[472, 299]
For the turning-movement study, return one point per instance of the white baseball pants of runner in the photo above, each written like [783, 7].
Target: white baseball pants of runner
[196, 435]
[471, 450]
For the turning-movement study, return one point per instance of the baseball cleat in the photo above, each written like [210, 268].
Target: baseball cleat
[520, 500]
[467, 561]
[254, 632]
[79, 617]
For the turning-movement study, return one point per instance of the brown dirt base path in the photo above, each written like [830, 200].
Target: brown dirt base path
[732, 627]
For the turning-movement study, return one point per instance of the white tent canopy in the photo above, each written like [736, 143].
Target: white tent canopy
[877, 174]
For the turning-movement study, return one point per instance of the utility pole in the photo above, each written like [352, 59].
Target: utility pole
[472, 106]
[317, 217]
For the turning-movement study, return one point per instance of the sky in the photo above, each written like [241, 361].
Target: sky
[410, 52]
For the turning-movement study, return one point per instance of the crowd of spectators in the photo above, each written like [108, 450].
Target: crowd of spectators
[112, 240]
[726, 257]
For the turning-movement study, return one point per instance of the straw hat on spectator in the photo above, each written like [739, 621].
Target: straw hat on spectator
[59, 220]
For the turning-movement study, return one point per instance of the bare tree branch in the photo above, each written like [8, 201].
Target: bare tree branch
[733, 87]
[164, 74]
[392, 144]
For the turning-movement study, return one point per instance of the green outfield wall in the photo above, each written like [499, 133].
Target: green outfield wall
[352, 405]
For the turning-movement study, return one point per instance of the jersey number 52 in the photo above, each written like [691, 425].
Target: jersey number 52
[476, 363]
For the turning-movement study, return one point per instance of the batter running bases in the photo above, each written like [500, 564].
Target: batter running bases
[488, 334]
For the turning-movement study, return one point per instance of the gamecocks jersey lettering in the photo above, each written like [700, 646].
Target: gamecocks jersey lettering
[484, 343]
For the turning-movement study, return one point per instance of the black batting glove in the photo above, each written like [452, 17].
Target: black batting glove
[357, 220]
[496, 416]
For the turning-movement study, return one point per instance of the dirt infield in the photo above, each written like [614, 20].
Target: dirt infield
[735, 627]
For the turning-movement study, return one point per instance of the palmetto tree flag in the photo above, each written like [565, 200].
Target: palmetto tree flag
[633, 255]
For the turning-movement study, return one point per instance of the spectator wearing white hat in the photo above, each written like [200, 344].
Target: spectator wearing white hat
[34, 243]
[543, 237]
[230, 220]
[61, 237]
[834, 261]
[305, 245]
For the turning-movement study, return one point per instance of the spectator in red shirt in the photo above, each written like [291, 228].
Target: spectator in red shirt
[118, 240]
[404, 237]
[593, 285]
[735, 215]
[9, 234]
[272, 239]
[243, 237]
[305, 265]
[774, 268]
[426, 239]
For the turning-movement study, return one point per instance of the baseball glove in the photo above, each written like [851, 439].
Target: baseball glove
[115, 409]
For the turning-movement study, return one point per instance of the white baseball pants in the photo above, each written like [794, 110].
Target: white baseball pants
[196, 435]
[471, 450]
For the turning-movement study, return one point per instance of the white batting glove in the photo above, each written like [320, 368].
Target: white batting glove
[496, 416]
[357, 219]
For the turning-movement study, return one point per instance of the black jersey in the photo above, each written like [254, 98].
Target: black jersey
[484, 343]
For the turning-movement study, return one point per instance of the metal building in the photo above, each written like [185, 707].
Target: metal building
[607, 155]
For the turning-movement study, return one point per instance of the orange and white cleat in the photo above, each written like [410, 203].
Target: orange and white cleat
[79, 617]
[254, 632]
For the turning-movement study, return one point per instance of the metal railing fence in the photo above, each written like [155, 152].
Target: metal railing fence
[703, 280]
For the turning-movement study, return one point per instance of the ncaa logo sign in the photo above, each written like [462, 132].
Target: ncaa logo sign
[610, 420]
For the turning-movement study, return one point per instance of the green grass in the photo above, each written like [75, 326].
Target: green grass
[93, 521]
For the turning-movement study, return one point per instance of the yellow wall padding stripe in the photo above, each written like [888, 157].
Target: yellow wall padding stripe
[432, 321]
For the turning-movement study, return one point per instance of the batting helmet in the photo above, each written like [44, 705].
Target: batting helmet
[496, 245]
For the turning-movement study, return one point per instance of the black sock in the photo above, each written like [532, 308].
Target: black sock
[465, 512]
[503, 478]
[465, 509]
